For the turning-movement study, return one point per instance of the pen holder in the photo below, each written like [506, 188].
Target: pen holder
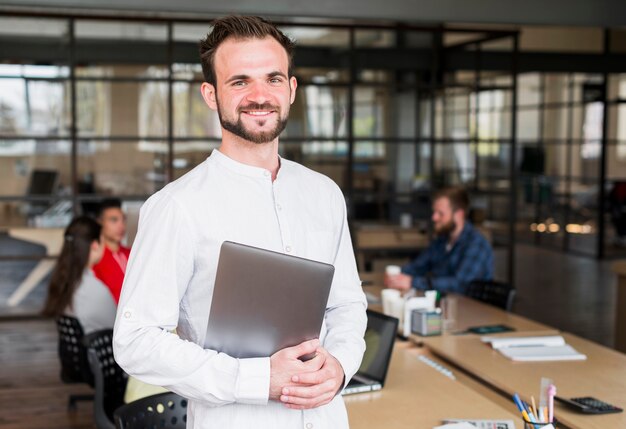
[539, 425]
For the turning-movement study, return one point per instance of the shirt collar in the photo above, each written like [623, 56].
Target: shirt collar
[241, 168]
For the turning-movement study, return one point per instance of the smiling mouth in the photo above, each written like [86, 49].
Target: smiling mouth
[258, 113]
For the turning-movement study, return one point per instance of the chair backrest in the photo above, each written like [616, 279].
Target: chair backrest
[110, 379]
[163, 411]
[72, 352]
[492, 292]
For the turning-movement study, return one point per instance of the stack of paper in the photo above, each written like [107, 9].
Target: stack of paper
[476, 424]
[534, 349]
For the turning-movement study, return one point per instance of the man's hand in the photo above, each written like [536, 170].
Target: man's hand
[284, 365]
[316, 388]
[398, 281]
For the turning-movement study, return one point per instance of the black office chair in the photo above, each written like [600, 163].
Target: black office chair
[165, 410]
[492, 292]
[73, 356]
[110, 379]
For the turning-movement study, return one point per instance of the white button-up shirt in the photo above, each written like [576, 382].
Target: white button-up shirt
[171, 273]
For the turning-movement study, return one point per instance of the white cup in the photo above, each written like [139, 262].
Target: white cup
[406, 220]
[389, 296]
[397, 311]
[393, 270]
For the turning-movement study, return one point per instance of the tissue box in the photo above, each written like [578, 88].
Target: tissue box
[426, 322]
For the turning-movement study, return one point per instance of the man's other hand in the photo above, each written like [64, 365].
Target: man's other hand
[315, 388]
[398, 281]
[285, 364]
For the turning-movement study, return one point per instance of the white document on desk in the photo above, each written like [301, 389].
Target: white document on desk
[476, 424]
[542, 353]
[503, 342]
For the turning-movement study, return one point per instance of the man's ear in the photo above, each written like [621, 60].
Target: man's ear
[293, 84]
[209, 94]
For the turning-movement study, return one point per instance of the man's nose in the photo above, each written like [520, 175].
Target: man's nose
[258, 94]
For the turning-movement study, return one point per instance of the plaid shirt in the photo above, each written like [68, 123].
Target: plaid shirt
[470, 258]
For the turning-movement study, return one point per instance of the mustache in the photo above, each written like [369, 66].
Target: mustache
[257, 106]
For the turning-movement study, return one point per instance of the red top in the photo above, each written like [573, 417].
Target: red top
[111, 269]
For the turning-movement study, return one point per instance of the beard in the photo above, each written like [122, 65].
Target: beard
[239, 129]
[445, 229]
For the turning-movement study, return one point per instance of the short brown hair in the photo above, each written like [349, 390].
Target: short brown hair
[458, 197]
[239, 27]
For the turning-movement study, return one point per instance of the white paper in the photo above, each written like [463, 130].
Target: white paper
[456, 426]
[540, 354]
[502, 342]
[477, 424]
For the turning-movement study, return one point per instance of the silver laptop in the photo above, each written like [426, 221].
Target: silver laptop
[264, 301]
[379, 338]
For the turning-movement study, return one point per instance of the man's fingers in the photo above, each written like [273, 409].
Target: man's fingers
[308, 396]
[314, 364]
[302, 349]
[307, 391]
[316, 377]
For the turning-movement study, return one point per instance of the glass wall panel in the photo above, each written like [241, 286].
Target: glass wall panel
[528, 125]
[122, 168]
[122, 109]
[318, 111]
[326, 157]
[192, 116]
[35, 168]
[529, 89]
[372, 112]
[34, 107]
[375, 38]
[188, 154]
[318, 36]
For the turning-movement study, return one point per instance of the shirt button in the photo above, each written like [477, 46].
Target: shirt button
[266, 173]
[127, 314]
[288, 249]
[309, 426]
[278, 207]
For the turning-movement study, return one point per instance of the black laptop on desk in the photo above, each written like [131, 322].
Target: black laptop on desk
[379, 338]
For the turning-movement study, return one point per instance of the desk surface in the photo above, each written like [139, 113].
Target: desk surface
[469, 312]
[417, 396]
[602, 375]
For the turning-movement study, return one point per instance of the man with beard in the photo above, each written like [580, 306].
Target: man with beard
[244, 192]
[458, 256]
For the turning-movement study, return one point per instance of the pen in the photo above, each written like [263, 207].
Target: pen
[535, 409]
[530, 413]
[551, 394]
[518, 403]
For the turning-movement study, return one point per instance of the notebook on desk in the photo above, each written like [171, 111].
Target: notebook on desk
[535, 348]
[379, 338]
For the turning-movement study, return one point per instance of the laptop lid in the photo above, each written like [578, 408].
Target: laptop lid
[264, 301]
[380, 336]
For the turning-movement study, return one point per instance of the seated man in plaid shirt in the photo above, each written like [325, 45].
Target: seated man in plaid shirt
[458, 255]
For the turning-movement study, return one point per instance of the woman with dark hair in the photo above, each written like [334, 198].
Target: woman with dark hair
[74, 290]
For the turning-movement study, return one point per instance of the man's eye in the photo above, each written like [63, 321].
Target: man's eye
[275, 80]
[239, 83]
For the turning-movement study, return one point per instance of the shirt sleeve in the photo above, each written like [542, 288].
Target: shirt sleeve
[419, 267]
[475, 257]
[345, 317]
[160, 267]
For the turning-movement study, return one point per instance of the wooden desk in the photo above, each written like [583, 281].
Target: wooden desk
[470, 312]
[602, 375]
[52, 239]
[417, 396]
[619, 268]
